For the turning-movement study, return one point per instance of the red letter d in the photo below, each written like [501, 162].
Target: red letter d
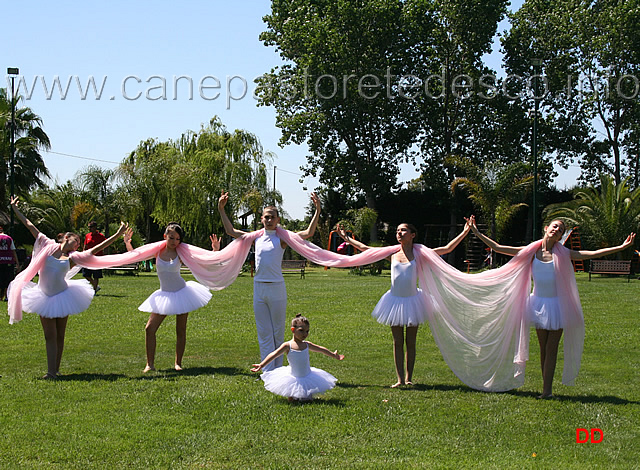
[586, 435]
[593, 433]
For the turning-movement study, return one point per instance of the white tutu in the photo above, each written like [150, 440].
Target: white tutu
[74, 299]
[545, 313]
[401, 311]
[191, 297]
[281, 381]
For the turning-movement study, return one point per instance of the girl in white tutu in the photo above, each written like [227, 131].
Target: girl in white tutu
[549, 312]
[55, 297]
[298, 380]
[404, 306]
[175, 296]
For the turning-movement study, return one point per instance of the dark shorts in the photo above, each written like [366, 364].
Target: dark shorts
[92, 273]
[7, 273]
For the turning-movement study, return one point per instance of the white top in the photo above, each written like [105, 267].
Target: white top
[169, 274]
[299, 361]
[52, 276]
[269, 254]
[404, 279]
[544, 278]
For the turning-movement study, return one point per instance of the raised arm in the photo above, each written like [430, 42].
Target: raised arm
[504, 249]
[351, 241]
[586, 254]
[284, 347]
[228, 226]
[325, 351]
[27, 223]
[311, 229]
[127, 239]
[122, 229]
[215, 242]
[449, 247]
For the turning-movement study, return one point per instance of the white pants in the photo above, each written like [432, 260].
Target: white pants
[270, 311]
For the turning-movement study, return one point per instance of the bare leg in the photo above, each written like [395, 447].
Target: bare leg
[549, 341]
[412, 333]
[398, 353]
[61, 329]
[153, 324]
[50, 327]
[181, 338]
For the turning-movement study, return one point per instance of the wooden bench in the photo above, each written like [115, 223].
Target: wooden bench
[607, 266]
[132, 268]
[294, 266]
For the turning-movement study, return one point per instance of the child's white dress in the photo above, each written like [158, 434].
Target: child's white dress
[54, 296]
[175, 296]
[298, 380]
[404, 304]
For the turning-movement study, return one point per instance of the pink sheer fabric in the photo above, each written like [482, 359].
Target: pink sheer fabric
[42, 248]
[480, 321]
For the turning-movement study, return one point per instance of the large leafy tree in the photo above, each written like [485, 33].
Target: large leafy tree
[98, 185]
[333, 92]
[30, 140]
[181, 180]
[590, 66]
[606, 213]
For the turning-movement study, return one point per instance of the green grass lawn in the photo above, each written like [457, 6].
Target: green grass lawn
[104, 413]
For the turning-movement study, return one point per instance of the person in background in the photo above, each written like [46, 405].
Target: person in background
[8, 262]
[91, 239]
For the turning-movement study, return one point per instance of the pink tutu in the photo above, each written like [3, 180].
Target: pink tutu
[191, 297]
[545, 313]
[74, 299]
[401, 311]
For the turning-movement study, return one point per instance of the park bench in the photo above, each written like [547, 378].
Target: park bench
[132, 268]
[294, 266]
[607, 266]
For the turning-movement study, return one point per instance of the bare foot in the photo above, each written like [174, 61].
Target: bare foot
[409, 383]
[177, 367]
[546, 396]
[396, 385]
[49, 376]
[147, 369]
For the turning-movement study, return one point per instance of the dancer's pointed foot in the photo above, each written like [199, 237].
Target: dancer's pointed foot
[397, 384]
[177, 367]
[147, 369]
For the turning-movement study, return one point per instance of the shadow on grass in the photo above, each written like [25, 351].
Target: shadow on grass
[115, 296]
[90, 377]
[192, 372]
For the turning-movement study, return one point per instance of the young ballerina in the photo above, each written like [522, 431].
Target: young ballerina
[55, 297]
[404, 306]
[551, 312]
[297, 381]
[269, 291]
[175, 296]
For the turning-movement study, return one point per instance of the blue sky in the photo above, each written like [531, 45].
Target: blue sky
[125, 46]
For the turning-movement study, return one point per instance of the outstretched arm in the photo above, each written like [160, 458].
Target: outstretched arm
[449, 247]
[284, 347]
[27, 223]
[121, 230]
[351, 241]
[325, 351]
[311, 229]
[228, 226]
[504, 249]
[585, 254]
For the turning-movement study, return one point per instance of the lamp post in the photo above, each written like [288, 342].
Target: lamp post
[534, 145]
[12, 72]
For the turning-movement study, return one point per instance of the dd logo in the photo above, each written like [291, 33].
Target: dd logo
[594, 435]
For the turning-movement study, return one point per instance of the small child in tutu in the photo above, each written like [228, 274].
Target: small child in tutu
[298, 380]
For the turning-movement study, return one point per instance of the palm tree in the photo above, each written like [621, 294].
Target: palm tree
[98, 189]
[495, 190]
[30, 140]
[605, 214]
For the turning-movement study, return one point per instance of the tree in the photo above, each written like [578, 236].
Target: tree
[606, 214]
[495, 190]
[30, 140]
[98, 188]
[590, 67]
[332, 91]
